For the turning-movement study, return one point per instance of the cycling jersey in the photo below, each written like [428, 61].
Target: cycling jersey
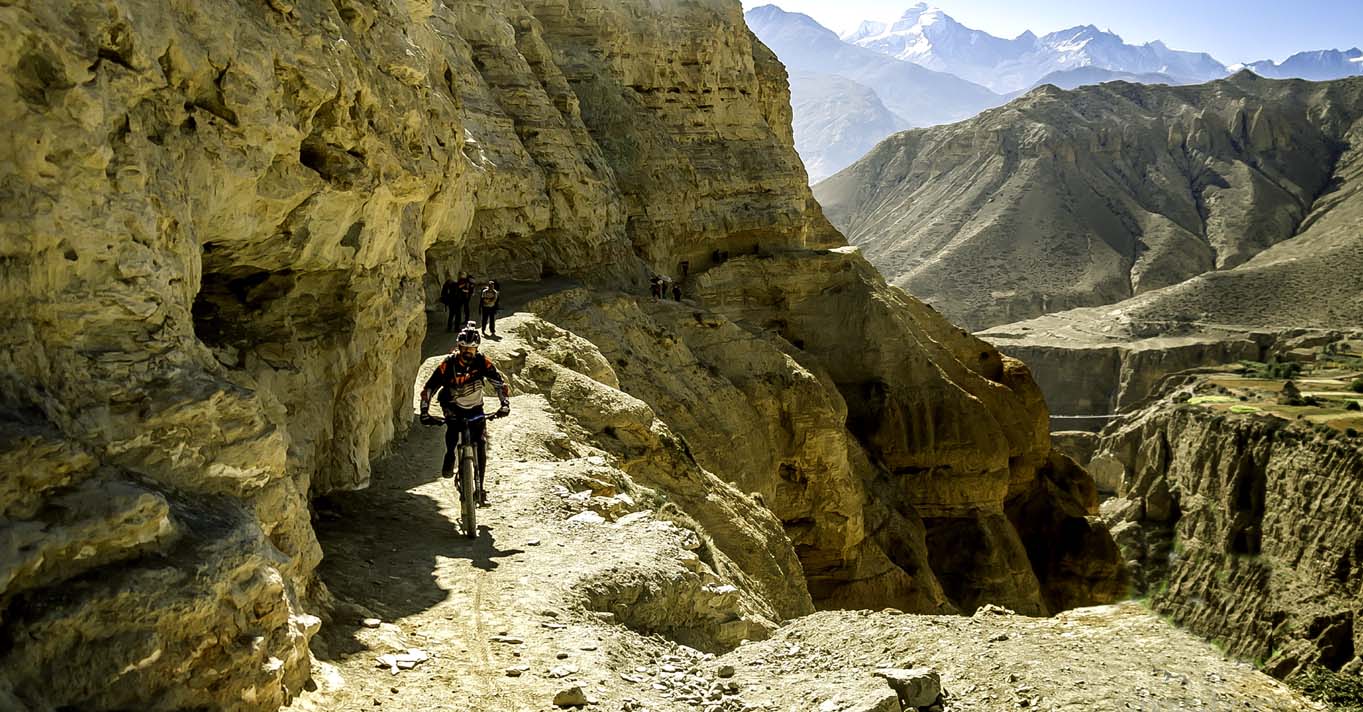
[461, 383]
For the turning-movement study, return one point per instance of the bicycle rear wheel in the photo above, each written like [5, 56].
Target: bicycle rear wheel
[467, 504]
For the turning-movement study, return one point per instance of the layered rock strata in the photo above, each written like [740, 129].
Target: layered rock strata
[1101, 379]
[1245, 529]
[222, 225]
[216, 249]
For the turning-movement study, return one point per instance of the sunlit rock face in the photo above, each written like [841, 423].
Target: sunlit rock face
[908, 461]
[222, 226]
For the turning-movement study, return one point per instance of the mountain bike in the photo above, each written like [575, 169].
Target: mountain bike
[467, 460]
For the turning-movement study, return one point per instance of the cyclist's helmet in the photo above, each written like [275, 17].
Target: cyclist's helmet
[466, 343]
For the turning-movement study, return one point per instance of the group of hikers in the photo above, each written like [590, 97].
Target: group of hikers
[458, 296]
[661, 285]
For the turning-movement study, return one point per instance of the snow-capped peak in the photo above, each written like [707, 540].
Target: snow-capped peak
[914, 10]
[867, 28]
[1315, 65]
[914, 16]
[927, 36]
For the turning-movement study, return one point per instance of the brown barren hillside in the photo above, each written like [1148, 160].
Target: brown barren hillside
[1266, 306]
[1088, 197]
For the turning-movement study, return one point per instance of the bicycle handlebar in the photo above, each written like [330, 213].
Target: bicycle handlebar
[437, 420]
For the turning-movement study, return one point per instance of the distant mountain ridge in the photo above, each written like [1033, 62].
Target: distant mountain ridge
[927, 69]
[812, 54]
[1086, 76]
[1317, 65]
[927, 36]
[838, 121]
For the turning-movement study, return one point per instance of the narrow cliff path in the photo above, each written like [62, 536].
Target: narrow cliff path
[395, 553]
[500, 617]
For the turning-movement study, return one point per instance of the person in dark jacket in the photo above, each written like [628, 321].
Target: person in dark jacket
[449, 296]
[467, 292]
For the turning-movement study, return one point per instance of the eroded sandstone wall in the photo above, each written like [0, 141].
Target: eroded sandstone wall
[219, 222]
[1246, 529]
[221, 226]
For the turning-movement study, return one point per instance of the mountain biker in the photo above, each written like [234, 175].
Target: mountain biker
[459, 379]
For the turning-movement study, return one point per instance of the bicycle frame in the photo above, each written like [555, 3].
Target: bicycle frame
[467, 460]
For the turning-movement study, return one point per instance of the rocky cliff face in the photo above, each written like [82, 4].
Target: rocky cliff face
[1245, 529]
[1077, 199]
[222, 226]
[895, 463]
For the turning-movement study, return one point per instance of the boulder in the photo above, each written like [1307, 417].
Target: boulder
[915, 687]
[570, 697]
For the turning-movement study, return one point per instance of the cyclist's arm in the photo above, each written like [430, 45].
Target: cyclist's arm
[432, 385]
[495, 378]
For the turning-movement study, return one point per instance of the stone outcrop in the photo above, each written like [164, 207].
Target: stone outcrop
[1067, 199]
[758, 578]
[1245, 529]
[881, 456]
[223, 224]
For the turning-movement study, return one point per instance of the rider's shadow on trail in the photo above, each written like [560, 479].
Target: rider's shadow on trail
[483, 551]
[383, 546]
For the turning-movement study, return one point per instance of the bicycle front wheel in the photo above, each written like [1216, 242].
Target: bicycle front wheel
[468, 505]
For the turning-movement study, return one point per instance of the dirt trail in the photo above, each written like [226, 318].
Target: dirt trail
[394, 552]
[505, 602]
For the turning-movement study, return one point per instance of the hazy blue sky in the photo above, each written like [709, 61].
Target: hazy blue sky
[1231, 31]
